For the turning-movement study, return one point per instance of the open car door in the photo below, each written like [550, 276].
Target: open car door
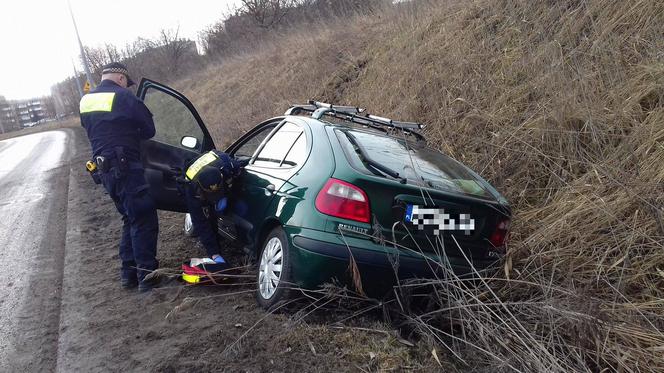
[180, 136]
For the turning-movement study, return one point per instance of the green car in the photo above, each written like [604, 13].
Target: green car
[327, 185]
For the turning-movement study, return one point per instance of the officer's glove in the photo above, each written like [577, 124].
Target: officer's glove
[218, 259]
[220, 206]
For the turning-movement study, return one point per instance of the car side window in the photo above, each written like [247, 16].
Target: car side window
[172, 119]
[249, 147]
[298, 153]
[285, 148]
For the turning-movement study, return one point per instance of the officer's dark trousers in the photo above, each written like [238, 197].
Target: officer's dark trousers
[202, 225]
[138, 246]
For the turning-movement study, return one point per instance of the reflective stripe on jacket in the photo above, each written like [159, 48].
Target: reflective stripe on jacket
[99, 101]
[201, 162]
[229, 166]
[114, 117]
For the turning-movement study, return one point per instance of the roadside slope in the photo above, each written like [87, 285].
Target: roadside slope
[559, 104]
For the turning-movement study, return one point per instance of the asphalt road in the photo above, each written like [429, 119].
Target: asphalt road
[34, 178]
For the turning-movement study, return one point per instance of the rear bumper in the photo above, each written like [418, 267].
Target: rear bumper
[321, 257]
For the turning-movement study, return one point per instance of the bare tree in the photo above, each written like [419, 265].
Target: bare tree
[268, 13]
[249, 23]
[66, 94]
[112, 53]
[174, 50]
[99, 57]
[3, 104]
[49, 106]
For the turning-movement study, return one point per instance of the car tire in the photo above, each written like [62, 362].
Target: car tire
[189, 226]
[274, 280]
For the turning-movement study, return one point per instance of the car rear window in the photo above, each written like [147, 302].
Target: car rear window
[418, 164]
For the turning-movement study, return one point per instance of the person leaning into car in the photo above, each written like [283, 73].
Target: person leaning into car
[116, 121]
[208, 180]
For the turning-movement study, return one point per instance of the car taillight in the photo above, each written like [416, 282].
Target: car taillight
[499, 236]
[343, 200]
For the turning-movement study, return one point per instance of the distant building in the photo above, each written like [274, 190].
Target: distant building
[17, 114]
[8, 119]
[30, 111]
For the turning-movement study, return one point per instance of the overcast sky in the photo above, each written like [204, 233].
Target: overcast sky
[38, 42]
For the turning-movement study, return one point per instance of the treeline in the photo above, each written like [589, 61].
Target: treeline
[164, 58]
[255, 20]
[170, 57]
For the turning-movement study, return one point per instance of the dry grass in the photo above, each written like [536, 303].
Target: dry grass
[561, 105]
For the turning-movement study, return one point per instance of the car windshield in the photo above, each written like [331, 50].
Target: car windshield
[418, 164]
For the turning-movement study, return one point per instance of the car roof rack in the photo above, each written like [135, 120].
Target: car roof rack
[356, 115]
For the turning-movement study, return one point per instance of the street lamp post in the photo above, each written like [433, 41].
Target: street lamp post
[80, 45]
[78, 80]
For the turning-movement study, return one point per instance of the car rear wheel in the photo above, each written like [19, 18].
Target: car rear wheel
[188, 226]
[274, 270]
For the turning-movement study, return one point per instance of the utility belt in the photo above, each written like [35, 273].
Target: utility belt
[117, 164]
[105, 164]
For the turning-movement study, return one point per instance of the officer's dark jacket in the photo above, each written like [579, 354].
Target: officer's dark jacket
[115, 117]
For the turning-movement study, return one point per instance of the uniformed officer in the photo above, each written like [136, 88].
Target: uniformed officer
[209, 180]
[116, 121]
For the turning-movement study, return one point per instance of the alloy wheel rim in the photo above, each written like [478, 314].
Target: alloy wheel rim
[269, 274]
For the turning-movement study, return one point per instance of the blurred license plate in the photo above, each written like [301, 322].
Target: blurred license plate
[437, 219]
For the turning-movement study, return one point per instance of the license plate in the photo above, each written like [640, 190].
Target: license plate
[438, 220]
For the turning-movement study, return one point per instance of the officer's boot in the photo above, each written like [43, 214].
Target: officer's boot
[128, 278]
[147, 281]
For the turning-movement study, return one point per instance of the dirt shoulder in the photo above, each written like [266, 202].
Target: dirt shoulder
[190, 328]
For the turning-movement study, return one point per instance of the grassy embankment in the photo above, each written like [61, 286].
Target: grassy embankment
[560, 104]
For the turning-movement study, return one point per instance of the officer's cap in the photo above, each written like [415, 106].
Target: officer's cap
[117, 67]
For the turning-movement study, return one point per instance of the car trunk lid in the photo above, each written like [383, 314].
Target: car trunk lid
[433, 203]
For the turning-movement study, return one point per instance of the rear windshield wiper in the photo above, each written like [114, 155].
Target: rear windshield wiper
[371, 162]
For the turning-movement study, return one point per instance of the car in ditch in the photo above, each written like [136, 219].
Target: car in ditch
[327, 186]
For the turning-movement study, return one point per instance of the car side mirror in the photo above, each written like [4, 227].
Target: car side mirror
[189, 142]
